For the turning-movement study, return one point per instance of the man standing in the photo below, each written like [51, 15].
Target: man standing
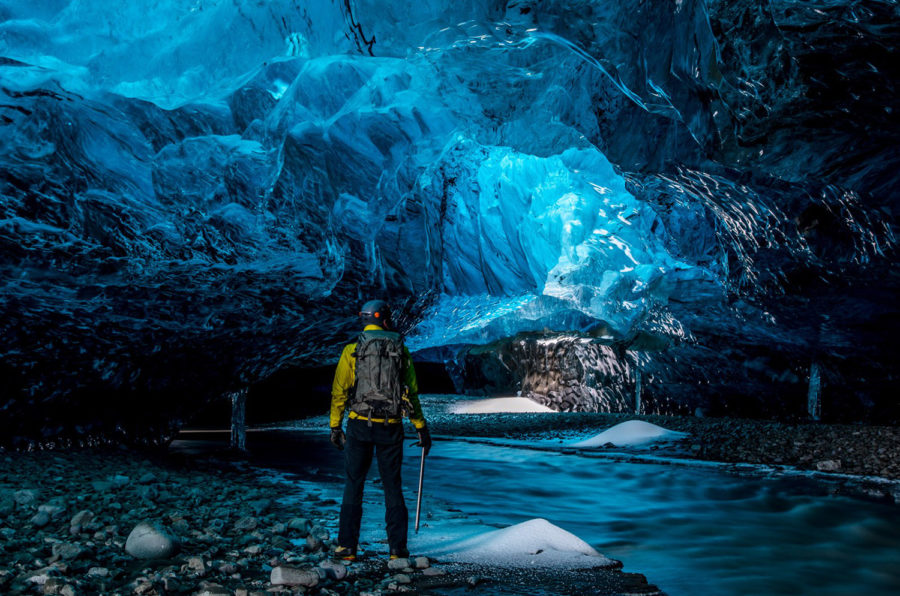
[376, 379]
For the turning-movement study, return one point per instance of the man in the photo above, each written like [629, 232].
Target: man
[376, 379]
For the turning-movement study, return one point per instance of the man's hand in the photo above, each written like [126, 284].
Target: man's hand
[337, 437]
[424, 439]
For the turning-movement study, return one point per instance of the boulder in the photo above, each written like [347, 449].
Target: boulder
[150, 541]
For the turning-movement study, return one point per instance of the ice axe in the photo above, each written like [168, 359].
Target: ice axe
[419, 496]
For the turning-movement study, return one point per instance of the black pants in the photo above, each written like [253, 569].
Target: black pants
[386, 441]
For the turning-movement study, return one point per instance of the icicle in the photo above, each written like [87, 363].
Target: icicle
[814, 404]
[637, 391]
[238, 420]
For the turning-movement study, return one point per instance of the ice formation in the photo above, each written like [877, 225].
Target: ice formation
[556, 196]
[499, 405]
[632, 433]
[533, 543]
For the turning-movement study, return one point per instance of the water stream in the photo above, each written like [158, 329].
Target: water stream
[690, 530]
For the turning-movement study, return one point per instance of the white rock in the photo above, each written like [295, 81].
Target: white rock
[829, 465]
[290, 576]
[98, 572]
[149, 541]
[422, 563]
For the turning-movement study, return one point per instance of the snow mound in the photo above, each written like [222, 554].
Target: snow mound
[534, 543]
[499, 405]
[631, 434]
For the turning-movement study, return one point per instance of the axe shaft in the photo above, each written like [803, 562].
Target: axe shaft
[419, 497]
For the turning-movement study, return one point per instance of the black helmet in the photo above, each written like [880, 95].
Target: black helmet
[376, 312]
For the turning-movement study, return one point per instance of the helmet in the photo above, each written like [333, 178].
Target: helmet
[376, 312]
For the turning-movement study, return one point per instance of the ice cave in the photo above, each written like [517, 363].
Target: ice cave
[679, 215]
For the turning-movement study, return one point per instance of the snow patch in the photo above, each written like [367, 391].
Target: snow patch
[499, 405]
[534, 543]
[631, 434]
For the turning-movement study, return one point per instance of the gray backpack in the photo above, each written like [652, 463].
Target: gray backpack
[379, 388]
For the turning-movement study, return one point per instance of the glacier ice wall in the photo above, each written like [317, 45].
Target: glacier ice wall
[197, 194]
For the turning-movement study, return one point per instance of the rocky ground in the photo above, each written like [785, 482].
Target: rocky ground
[91, 522]
[113, 521]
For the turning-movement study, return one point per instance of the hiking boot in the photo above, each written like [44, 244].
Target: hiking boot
[399, 553]
[345, 553]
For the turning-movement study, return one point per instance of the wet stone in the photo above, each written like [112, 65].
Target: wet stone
[828, 465]
[313, 544]
[214, 591]
[333, 569]
[319, 532]
[290, 576]
[402, 578]
[40, 519]
[300, 525]
[67, 551]
[246, 524]
[433, 572]
[82, 518]
[26, 496]
[400, 563]
[197, 565]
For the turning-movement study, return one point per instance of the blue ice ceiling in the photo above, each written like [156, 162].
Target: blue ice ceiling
[197, 194]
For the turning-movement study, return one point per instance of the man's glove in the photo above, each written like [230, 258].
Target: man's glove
[424, 439]
[337, 437]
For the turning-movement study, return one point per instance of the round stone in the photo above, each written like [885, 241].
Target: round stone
[150, 541]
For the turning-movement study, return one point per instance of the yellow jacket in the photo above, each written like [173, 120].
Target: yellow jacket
[345, 377]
